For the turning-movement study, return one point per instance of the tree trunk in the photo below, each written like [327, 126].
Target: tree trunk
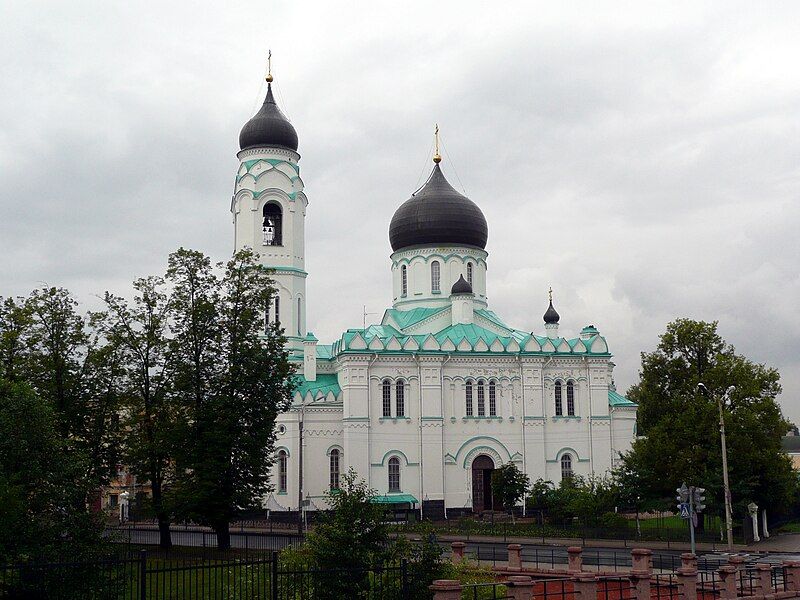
[164, 536]
[223, 535]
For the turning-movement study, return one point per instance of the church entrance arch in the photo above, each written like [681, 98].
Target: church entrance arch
[482, 469]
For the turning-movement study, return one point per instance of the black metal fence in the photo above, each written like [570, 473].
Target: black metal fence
[147, 577]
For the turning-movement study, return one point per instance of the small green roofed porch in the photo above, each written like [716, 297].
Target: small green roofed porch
[394, 499]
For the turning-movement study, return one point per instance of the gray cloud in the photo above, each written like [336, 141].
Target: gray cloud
[641, 158]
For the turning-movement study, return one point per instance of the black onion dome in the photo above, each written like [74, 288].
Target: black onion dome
[551, 316]
[461, 286]
[438, 214]
[268, 127]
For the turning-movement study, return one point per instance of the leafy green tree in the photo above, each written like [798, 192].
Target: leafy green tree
[231, 380]
[509, 485]
[42, 485]
[15, 327]
[680, 426]
[140, 330]
[352, 537]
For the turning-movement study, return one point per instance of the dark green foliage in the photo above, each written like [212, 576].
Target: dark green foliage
[587, 500]
[42, 484]
[139, 331]
[680, 424]
[231, 380]
[509, 484]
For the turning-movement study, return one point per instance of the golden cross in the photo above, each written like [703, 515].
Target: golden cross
[550, 293]
[436, 157]
[269, 67]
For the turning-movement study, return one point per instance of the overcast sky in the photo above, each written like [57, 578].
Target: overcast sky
[642, 158]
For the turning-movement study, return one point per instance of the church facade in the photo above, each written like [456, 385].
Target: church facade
[427, 402]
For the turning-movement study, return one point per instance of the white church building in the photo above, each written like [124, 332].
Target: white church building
[426, 402]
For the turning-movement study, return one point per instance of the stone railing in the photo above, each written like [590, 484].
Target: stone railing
[732, 581]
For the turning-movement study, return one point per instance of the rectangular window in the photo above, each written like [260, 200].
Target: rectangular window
[278, 310]
[334, 469]
[468, 393]
[282, 456]
[394, 474]
[387, 398]
[492, 399]
[481, 400]
[113, 500]
[404, 280]
[400, 399]
[435, 276]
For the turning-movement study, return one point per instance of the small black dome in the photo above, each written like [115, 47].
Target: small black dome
[269, 127]
[461, 286]
[551, 316]
[438, 214]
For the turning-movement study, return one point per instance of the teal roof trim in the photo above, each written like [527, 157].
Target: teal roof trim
[615, 399]
[320, 388]
[394, 499]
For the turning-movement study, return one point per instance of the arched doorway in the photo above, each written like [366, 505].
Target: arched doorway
[482, 468]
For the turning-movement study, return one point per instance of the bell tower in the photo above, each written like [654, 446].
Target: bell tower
[269, 210]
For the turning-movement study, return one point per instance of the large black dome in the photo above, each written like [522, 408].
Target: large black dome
[438, 214]
[269, 127]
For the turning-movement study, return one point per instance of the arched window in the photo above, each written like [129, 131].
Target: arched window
[570, 399]
[559, 406]
[492, 399]
[481, 400]
[278, 310]
[282, 456]
[272, 225]
[469, 273]
[435, 276]
[299, 316]
[400, 398]
[566, 466]
[387, 398]
[404, 280]
[394, 474]
[335, 469]
[468, 394]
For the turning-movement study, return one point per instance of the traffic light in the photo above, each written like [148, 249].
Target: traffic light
[682, 497]
[698, 498]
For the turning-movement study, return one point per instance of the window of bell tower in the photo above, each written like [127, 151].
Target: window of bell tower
[272, 226]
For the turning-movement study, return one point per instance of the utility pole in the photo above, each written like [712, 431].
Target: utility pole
[300, 472]
[727, 488]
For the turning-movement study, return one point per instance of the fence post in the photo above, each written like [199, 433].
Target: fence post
[521, 587]
[142, 574]
[585, 586]
[514, 557]
[273, 567]
[737, 562]
[642, 560]
[458, 553]
[640, 580]
[575, 562]
[689, 561]
[687, 583]
[764, 578]
[446, 589]
[727, 579]
[792, 575]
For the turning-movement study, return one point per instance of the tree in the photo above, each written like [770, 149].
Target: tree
[232, 378]
[509, 484]
[349, 539]
[139, 329]
[46, 343]
[42, 485]
[679, 425]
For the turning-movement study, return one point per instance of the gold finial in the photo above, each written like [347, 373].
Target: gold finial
[550, 293]
[269, 67]
[437, 158]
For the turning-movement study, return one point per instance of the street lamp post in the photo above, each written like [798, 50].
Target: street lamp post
[728, 519]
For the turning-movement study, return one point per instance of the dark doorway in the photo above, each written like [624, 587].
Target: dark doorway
[482, 468]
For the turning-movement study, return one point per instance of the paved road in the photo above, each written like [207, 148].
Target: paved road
[546, 556]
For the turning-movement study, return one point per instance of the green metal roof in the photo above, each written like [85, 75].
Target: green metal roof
[325, 383]
[472, 333]
[324, 351]
[394, 499]
[407, 318]
[615, 399]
